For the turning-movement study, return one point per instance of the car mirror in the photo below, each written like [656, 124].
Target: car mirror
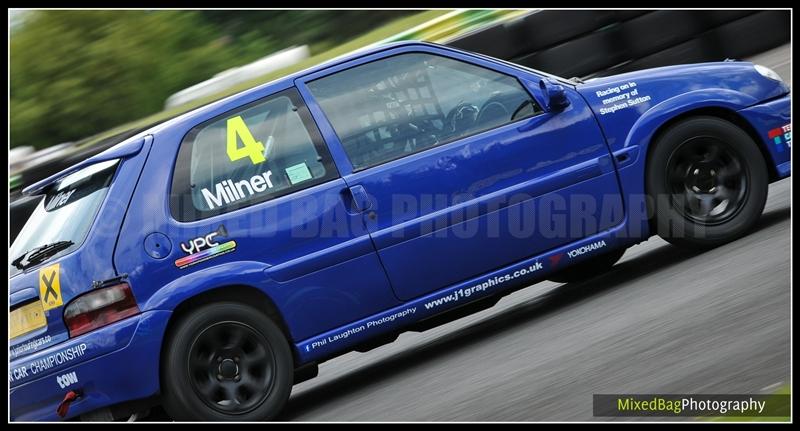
[554, 94]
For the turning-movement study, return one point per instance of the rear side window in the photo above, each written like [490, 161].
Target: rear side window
[264, 150]
[404, 104]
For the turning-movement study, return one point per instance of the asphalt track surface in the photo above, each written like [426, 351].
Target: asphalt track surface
[664, 320]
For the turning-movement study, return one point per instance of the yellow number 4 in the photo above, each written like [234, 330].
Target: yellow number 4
[252, 148]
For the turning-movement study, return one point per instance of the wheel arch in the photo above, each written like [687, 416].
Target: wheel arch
[651, 125]
[240, 293]
[718, 111]
[642, 136]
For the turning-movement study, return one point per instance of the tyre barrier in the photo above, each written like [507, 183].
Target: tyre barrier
[732, 40]
[579, 57]
[590, 43]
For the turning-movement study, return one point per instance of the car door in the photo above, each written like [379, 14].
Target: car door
[255, 200]
[459, 168]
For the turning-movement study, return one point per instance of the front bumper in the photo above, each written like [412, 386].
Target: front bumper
[770, 120]
[112, 365]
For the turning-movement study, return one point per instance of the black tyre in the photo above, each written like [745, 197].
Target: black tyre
[226, 362]
[588, 269]
[708, 183]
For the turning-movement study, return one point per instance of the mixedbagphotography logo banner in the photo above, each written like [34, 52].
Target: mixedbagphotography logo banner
[692, 405]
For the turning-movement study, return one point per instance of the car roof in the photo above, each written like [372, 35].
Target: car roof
[232, 100]
[242, 97]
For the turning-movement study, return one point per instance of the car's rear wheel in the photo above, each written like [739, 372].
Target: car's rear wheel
[588, 269]
[226, 362]
[708, 183]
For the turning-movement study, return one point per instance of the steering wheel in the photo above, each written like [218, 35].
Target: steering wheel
[463, 117]
[498, 109]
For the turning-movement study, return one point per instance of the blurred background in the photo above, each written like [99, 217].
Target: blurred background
[663, 321]
[82, 81]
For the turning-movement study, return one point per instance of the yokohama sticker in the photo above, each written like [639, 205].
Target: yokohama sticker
[586, 249]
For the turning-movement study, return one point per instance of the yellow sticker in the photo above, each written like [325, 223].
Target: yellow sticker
[251, 147]
[50, 287]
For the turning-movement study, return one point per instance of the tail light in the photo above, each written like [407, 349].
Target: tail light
[99, 307]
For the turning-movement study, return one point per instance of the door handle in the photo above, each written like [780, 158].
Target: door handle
[360, 197]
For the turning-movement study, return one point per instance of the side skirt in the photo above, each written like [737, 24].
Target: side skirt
[418, 313]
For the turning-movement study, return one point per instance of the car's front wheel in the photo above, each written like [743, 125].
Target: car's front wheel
[226, 362]
[708, 182]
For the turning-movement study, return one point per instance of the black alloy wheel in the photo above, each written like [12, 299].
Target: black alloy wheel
[232, 367]
[706, 181]
[225, 361]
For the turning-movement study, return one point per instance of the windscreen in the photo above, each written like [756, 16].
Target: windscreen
[66, 212]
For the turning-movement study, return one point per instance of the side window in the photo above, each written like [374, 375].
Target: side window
[266, 149]
[403, 104]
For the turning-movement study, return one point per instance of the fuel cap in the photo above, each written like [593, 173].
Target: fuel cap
[157, 245]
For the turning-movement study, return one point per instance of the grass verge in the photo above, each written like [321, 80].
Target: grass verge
[381, 33]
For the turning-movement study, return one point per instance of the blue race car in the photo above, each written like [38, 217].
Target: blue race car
[211, 262]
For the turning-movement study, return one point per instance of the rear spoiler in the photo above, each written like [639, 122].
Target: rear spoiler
[122, 150]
